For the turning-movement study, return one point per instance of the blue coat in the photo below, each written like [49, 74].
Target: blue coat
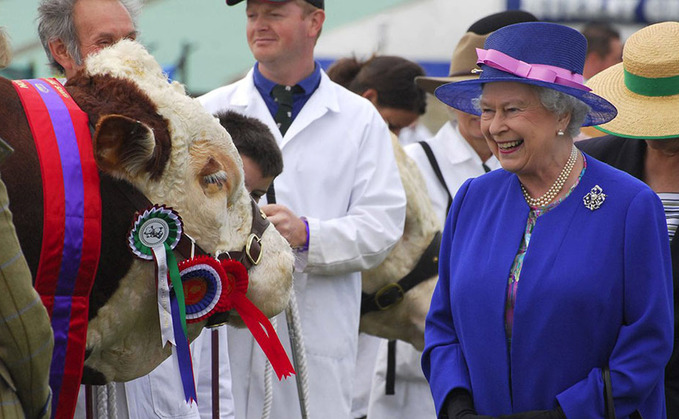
[595, 289]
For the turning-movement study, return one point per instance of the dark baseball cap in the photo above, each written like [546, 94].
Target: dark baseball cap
[318, 3]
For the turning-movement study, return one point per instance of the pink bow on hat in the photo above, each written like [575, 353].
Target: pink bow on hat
[540, 72]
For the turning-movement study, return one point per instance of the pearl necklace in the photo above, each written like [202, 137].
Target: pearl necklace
[556, 187]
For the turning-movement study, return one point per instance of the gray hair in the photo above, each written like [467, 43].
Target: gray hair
[55, 21]
[560, 104]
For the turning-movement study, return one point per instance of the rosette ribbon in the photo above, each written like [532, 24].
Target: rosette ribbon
[255, 320]
[215, 286]
[205, 291]
[154, 234]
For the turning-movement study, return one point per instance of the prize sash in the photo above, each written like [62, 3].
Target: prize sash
[71, 238]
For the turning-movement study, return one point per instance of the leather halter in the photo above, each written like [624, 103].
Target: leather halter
[250, 255]
[394, 292]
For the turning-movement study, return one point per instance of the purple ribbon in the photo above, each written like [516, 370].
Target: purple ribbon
[183, 352]
[74, 226]
[541, 72]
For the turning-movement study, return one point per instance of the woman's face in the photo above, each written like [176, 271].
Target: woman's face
[520, 132]
[470, 126]
[397, 119]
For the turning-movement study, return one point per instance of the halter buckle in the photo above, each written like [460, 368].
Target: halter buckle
[393, 294]
[248, 247]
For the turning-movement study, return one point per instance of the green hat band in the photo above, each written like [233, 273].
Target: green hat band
[646, 86]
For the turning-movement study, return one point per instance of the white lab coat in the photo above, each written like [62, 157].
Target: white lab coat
[340, 173]
[458, 162]
[365, 370]
[160, 394]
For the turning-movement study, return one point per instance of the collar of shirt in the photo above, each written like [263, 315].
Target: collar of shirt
[309, 85]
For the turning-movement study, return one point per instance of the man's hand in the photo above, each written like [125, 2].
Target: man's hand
[288, 224]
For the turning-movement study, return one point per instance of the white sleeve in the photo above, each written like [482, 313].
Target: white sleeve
[374, 221]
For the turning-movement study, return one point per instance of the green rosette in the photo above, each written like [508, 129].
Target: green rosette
[159, 228]
[155, 226]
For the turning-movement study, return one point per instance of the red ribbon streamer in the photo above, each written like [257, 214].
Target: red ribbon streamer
[255, 320]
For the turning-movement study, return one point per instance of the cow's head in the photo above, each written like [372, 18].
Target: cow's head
[149, 133]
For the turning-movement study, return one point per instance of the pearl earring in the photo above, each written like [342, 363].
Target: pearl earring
[560, 133]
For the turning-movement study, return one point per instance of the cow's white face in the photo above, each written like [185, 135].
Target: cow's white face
[188, 163]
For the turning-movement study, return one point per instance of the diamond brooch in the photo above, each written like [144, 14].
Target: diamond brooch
[594, 198]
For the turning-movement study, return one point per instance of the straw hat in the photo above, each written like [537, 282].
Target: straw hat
[464, 56]
[645, 86]
[537, 53]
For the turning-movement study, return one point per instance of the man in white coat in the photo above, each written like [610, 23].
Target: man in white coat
[340, 204]
[457, 152]
[70, 31]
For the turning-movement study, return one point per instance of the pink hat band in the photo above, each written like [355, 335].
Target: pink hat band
[540, 72]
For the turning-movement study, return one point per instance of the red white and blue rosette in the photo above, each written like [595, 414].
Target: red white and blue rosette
[212, 286]
[201, 286]
[204, 290]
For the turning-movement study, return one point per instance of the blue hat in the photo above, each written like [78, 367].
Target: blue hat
[538, 53]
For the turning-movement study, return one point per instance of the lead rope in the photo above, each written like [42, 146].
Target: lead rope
[296, 345]
[112, 400]
[106, 401]
[268, 383]
[298, 360]
[102, 406]
[298, 354]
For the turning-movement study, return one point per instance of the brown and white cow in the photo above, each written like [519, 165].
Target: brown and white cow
[404, 320]
[151, 137]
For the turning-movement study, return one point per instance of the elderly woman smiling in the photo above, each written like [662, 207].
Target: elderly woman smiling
[555, 272]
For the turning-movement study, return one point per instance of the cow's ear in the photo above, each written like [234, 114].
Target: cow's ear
[123, 146]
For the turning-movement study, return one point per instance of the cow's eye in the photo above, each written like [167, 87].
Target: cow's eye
[217, 179]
